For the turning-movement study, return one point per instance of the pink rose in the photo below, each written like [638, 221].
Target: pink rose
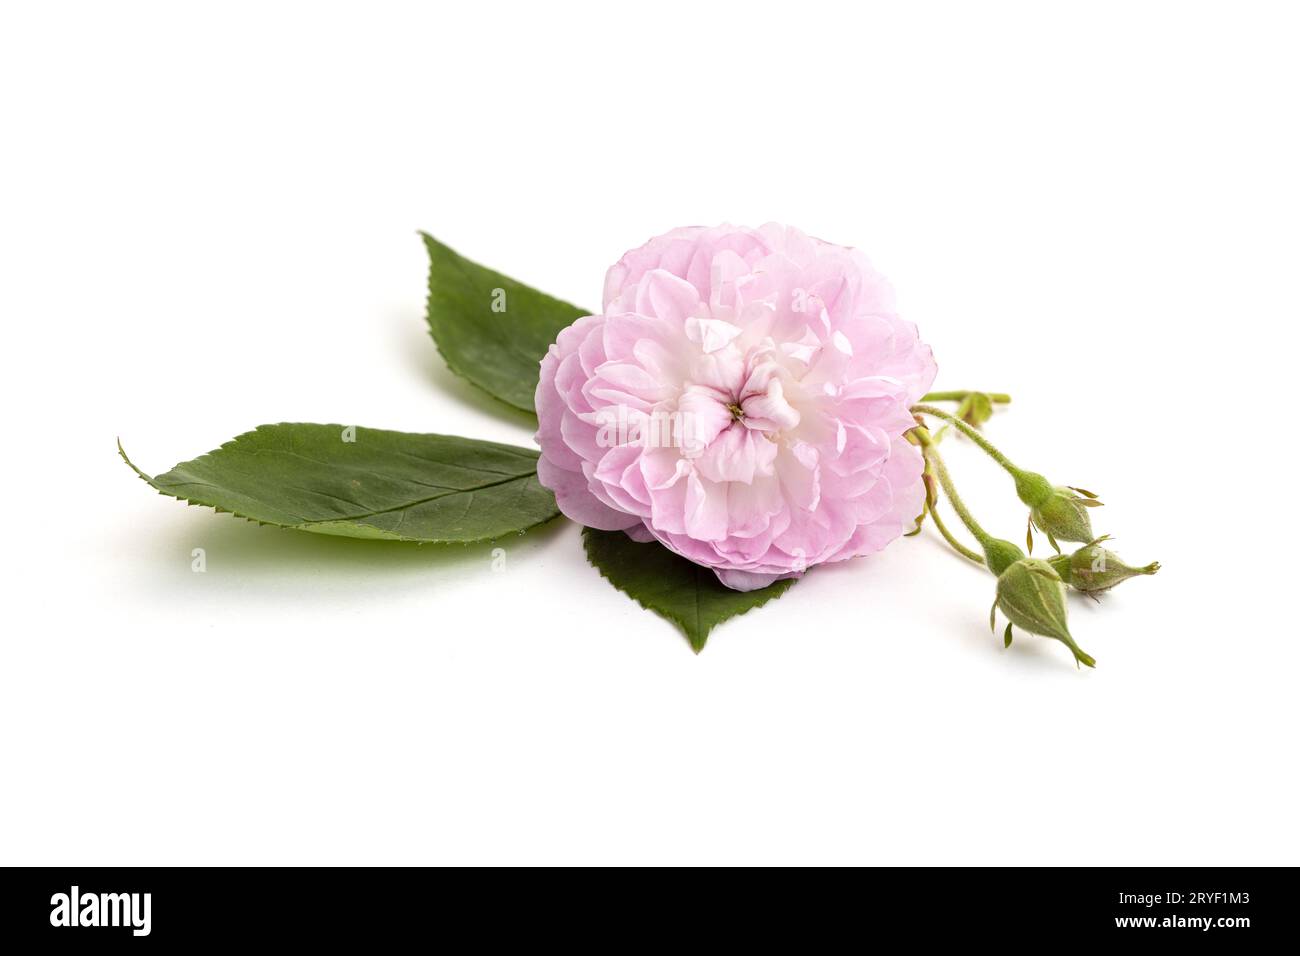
[741, 400]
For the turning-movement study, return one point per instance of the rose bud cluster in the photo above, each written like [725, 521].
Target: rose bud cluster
[1031, 592]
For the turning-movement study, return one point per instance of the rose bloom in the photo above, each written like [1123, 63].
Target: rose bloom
[742, 400]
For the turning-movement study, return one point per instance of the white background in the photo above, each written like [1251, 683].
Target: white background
[207, 221]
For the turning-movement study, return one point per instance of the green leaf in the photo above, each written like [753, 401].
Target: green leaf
[490, 329]
[685, 593]
[366, 483]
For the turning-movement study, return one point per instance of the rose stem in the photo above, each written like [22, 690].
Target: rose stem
[997, 398]
[954, 499]
[957, 546]
[985, 445]
[933, 460]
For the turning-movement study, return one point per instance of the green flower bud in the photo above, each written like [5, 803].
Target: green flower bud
[1064, 515]
[1058, 512]
[1092, 568]
[1032, 596]
[1033, 488]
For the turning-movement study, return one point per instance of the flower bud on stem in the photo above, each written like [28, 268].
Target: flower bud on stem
[1030, 591]
[1058, 512]
[1032, 596]
[1093, 569]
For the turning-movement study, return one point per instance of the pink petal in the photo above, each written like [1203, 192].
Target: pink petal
[577, 502]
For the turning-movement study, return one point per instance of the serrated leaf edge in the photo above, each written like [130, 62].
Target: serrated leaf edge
[305, 528]
[456, 370]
